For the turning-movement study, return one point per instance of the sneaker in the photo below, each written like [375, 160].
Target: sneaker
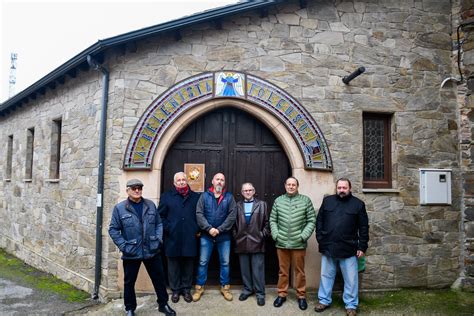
[320, 307]
[351, 312]
[225, 290]
[198, 291]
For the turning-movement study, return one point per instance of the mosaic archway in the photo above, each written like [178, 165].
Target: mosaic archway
[225, 84]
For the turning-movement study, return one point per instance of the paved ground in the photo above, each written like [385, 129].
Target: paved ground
[20, 299]
[213, 304]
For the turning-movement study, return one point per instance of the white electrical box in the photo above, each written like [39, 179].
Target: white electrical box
[435, 186]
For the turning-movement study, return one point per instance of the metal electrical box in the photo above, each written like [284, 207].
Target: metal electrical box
[435, 186]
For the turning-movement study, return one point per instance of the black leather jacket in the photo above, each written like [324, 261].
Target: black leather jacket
[342, 226]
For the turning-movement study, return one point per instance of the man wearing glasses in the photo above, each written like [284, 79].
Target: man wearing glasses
[136, 229]
[250, 230]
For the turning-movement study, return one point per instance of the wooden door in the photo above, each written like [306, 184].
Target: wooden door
[233, 142]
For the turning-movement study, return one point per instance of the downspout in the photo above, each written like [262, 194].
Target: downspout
[100, 180]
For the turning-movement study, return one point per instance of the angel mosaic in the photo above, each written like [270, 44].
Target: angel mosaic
[229, 84]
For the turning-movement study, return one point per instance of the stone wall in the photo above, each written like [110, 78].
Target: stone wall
[406, 49]
[405, 46]
[464, 14]
[50, 224]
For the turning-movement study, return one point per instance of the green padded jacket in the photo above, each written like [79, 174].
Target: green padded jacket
[292, 221]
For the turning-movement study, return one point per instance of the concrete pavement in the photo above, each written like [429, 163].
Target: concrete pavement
[212, 303]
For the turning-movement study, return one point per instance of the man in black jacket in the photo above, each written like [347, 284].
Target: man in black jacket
[342, 231]
[250, 230]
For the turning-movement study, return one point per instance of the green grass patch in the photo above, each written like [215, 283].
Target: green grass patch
[14, 269]
[443, 301]
[415, 301]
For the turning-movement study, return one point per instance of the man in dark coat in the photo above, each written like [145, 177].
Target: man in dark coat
[250, 231]
[136, 229]
[342, 231]
[177, 209]
[215, 214]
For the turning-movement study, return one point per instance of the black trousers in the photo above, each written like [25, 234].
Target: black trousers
[180, 273]
[154, 267]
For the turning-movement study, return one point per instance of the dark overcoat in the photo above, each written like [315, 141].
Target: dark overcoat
[180, 228]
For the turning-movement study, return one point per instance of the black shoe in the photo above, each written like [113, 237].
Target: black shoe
[243, 296]
[167, 310]
[279, 301]
[260, 301]
[175, 297]
[130, 312]
[187, 296]
[302, 304]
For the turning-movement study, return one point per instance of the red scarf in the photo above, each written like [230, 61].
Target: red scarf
[183, 191]
[211, 189]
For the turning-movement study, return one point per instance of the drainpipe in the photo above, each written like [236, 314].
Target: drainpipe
[100, 181]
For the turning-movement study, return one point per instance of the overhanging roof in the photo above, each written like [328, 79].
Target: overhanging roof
[69, 68]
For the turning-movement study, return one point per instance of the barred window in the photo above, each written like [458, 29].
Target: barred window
[377, 150]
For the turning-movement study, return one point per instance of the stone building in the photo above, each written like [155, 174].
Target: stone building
[255, 89]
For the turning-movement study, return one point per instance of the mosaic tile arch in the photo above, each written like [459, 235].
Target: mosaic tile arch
[164, 110]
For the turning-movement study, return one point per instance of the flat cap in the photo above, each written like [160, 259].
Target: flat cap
[134, 183]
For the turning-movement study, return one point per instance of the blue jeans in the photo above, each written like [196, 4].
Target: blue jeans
[351, 280]
[223, 248]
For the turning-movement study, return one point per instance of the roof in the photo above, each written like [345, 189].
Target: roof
[70, 67]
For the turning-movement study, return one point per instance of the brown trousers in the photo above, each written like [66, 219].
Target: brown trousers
[295, 257]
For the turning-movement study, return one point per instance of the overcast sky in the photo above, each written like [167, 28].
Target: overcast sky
[45, 34]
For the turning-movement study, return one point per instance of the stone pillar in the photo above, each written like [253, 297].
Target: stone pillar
[465, 16]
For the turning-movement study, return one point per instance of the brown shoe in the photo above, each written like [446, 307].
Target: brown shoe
[321, 307]
[225, 290]
[351, 312]
[198, 290]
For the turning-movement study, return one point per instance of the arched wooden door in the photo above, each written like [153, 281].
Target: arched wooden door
[232, 141]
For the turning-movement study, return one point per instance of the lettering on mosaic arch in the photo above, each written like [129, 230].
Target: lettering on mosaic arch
[151, 127]
[172, 101]
[229, 84]
[208, 86]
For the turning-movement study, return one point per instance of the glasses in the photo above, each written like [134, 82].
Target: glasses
[136, 188]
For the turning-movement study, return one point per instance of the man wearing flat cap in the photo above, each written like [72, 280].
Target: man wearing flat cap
[136, 229]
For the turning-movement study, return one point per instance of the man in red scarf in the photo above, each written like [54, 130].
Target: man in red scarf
[177, 209]
[215, 214]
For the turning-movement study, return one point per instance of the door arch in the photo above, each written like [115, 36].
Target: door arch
[232, 141]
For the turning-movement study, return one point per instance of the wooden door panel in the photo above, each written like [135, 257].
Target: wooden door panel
[212, 127]
[245, 150]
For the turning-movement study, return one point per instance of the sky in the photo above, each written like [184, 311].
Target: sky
[46, 34]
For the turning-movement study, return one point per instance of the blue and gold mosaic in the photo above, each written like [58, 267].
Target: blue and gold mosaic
[225, 84]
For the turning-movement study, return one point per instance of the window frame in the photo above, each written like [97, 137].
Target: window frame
[55, 154]
[30, 152]
[9, 160]
[386, 182]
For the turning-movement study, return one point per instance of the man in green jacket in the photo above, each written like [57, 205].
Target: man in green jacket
[292, 222]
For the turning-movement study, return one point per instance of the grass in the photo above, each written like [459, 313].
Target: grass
[414, 302]
[14, 269]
